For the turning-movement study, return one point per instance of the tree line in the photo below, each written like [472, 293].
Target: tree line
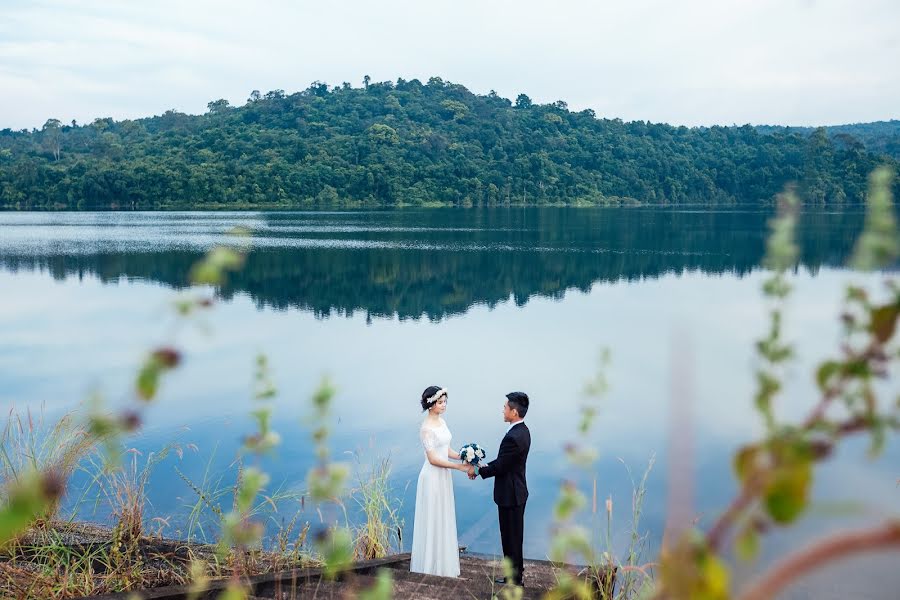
[408, 143]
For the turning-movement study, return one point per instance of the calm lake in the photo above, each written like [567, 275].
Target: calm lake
[481, 302]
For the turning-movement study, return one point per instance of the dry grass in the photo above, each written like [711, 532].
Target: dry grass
[31, 444]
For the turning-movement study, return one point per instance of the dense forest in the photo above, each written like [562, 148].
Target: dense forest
[880, 137]
[408, 143]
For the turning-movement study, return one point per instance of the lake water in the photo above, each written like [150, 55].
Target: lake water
[481, 302]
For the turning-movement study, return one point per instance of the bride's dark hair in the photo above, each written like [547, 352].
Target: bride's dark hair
[430, 391]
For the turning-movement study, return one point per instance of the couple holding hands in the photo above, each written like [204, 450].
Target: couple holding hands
[435, 549]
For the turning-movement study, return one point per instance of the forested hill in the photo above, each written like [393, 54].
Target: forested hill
[409, 143]
[880, 137]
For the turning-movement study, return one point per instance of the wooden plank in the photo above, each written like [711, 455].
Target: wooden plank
[476, 580]
[259, 583]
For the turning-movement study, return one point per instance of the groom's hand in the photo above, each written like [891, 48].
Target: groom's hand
[471, 471]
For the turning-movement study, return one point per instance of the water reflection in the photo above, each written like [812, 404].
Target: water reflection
[413, 264]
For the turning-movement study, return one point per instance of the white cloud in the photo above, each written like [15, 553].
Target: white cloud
[690, 62]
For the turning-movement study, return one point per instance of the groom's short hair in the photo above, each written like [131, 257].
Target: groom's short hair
[519, 402]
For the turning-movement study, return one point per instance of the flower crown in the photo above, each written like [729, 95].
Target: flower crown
[432, 399]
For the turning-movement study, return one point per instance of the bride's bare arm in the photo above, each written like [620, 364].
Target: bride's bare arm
[451, 453]
[437, 461]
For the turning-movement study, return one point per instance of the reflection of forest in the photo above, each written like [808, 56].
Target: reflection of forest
[499, 254]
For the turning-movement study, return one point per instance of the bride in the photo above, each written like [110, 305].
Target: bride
[435, 549]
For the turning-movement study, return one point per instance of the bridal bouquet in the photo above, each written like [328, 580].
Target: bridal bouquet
[471, 454]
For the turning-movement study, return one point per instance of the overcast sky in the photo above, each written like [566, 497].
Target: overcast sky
[690, 62]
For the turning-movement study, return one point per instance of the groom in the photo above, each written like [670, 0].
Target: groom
[510, 487]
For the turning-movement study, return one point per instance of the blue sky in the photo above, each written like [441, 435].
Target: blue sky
[691, 62]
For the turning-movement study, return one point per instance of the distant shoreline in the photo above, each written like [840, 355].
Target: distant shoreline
[274, 208]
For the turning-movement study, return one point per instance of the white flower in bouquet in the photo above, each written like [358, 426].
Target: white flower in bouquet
[471, 453]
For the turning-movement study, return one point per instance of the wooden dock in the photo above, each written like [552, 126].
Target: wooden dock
[476, 581]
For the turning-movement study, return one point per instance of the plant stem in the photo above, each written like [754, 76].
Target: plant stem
[884, 537]
[719, 530]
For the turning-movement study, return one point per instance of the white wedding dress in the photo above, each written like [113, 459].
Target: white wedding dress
[435, 549]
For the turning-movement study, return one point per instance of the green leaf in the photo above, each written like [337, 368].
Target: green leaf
[857, 368]
[747, 543]
[148, 380]
[879, 244]
[825, 372]
[263, 418]
[884, 322]
[869, 401]
[768, 387]
[713, 579]
[582, 457]
[323, 395]
[568, 587]
[570, 501]
[788, 492]
[252, 481]
[327, 482]
[160, 361]
[781, 249]
[212, 269]
[336, 550]
[879, 438]
[776, 287]
[744, 461]
[27, 499]
[571, 542]
[233, 592]
[383, 588]
[857, 294]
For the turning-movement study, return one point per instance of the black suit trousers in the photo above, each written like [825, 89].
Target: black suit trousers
[512, 531]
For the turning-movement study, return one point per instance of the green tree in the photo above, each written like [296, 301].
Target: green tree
[51, 131]
[218, 106]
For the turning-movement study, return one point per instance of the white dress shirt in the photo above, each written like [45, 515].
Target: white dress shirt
[511, 425]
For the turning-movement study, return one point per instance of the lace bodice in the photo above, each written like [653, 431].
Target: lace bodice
[435, 437]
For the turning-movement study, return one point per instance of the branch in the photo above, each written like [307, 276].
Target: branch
[874, 352]
[749, 492]
[884, 537]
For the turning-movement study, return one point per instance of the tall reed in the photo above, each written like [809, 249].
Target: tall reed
[380, 531]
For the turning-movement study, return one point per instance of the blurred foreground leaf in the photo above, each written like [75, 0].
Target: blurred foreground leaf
[879, 245]
[26, 500]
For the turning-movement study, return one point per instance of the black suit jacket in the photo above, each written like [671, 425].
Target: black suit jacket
[508, 469]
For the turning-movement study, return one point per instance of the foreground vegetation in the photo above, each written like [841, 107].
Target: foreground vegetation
[408, 143]
[61, 556]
